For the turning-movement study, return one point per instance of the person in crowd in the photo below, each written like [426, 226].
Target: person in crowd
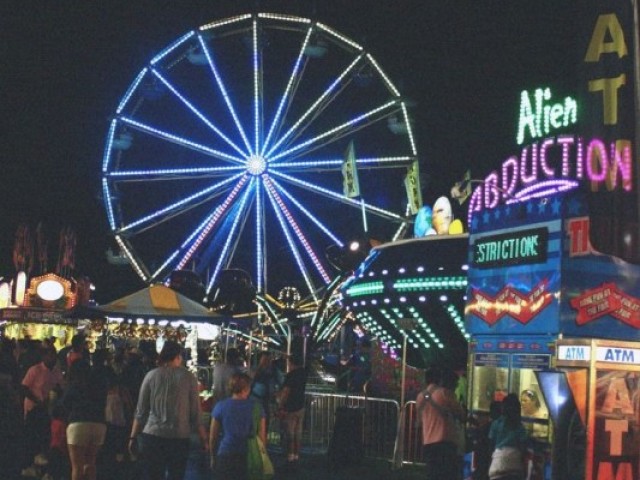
[509, 437]
[58, 456]
[263, 382]
[8, 360]
[360, 364]
[85, 401]
[530, 404]
[29, 354]
[133, 372]
[78, 350]
[482, 444]
[437, 409]
[167, 413]
[233, 417]
[41, 384]
[118, 415]
[11, 420]
[223, 372]
[291, 403]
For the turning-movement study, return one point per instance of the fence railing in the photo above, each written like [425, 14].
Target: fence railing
[380, 432]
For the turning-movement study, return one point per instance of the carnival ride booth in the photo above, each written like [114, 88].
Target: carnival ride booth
[42, 310]
[414, 288]
[156, 313]
[558, 324]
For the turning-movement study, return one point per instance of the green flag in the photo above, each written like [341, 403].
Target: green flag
[412, 185]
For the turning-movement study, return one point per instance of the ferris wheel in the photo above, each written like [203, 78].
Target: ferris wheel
[229, 150]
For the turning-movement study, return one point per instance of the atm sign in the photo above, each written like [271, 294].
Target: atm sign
[629, 356]
[574, 353]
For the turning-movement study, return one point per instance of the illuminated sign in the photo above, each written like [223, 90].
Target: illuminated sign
[512, 248]
[538, 117]
[554, 165]
[574, 353]
[629, 356]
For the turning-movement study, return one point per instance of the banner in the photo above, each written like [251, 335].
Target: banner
[350, 182]
[412, 185]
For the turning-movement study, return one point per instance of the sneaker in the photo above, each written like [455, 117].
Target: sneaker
[31, 471]
[47, 476]
[40, 460]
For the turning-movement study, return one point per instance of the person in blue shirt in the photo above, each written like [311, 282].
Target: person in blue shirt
[509, 437]
[231, 426]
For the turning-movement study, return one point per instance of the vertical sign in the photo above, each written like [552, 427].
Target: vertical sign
[609, 90]
[617, 429]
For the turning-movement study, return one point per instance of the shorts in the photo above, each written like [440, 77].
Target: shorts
[86, 434]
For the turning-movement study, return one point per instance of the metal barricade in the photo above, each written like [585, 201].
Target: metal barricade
[412, 452]
[378, 431]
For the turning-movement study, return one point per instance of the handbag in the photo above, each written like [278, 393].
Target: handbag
[506, 461]
[259, 466]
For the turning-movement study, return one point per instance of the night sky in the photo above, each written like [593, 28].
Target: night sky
[66, 64]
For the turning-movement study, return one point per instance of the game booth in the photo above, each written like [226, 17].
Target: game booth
[38, 308]
[553, 301]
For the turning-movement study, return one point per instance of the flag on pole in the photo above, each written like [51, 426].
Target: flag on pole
[412, 185]
[350, 182]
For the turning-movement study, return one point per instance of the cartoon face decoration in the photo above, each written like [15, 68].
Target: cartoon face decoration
[442, 216]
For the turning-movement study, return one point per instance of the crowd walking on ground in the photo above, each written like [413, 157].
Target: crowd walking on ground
[134, 413]
[130, 412]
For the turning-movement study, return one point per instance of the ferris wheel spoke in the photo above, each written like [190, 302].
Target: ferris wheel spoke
[309, 215]
[326, 95]
[231, 235]
[260, 247]
[286, 97]
[178, 206]
[296, 229]
[339, 197]
[196, 112]
[333, 165]
[142, 127]
[223, 91]
[257, 77]
[172, 173]
[292, 245]
[337, 132]
[205, 227]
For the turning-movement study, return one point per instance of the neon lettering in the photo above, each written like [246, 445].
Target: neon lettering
[540, 118]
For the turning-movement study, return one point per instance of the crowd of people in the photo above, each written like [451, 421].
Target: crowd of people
[70, 414]
[59, 407]
[75, 415]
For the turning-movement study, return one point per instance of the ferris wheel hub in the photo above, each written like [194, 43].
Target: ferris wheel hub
[256, 165]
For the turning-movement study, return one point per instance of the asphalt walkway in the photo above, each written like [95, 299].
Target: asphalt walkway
[316, 466]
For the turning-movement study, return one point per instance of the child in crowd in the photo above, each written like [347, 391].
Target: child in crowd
[59, 466]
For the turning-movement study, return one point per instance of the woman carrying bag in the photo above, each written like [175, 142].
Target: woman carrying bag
[509, 437]
[234, 418]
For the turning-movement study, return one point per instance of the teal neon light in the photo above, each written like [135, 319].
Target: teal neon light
[430, 283]
[369, 288]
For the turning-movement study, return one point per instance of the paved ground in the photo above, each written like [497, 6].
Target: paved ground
[315, 466]
[312, 466]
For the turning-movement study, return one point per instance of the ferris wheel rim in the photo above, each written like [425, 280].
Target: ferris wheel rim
[259, 166]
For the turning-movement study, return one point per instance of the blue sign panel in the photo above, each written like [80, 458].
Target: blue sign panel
[516, 293]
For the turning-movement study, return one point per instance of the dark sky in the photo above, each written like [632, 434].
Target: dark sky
[66, 64]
